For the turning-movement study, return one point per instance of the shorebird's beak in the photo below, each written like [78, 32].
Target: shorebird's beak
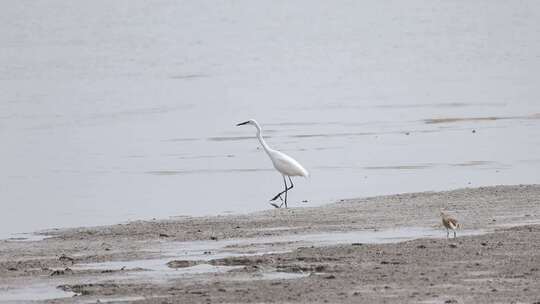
[242, 123]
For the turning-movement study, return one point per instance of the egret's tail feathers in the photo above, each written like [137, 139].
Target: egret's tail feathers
[304, 172]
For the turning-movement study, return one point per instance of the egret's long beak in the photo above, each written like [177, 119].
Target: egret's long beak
[242, 123]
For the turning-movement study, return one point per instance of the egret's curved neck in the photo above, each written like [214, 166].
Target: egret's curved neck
[261, 139]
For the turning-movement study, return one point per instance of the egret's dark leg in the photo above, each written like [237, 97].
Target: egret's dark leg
[279, 194]
[292, 185]
[284, 201]
[287, 189]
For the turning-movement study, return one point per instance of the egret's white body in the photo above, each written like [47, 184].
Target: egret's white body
[286, 165]
[282, 162]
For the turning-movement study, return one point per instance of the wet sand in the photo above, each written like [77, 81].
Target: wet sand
[386, 249]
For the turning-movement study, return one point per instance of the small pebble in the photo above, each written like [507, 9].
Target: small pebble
[330, 277]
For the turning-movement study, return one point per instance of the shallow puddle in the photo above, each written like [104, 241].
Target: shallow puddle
[152, 270]
[207, 250]
[26, 237]
[113, 299]
[36, 292]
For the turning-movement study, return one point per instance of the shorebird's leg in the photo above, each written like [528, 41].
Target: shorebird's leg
[447, 233]
[279, 194]
[454, 234]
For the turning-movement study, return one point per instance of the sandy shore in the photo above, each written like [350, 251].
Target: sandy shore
[334, 253]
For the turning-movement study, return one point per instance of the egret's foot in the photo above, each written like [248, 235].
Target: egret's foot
[276, 197]
[276, 205]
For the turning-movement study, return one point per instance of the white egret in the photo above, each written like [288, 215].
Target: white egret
[283, 163]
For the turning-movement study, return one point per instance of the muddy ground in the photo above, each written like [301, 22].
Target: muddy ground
[495, 259]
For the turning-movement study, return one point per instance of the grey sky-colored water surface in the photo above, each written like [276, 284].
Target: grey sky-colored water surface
[120, 110]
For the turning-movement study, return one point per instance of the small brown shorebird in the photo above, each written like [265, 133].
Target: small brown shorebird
[449, 223]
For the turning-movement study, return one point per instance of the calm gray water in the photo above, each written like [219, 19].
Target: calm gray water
[120, 110]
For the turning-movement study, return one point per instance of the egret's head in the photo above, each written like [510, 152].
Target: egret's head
[249, 122]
